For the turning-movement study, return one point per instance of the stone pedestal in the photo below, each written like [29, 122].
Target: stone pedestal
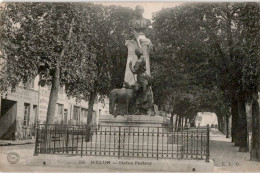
[146, 46]
[140, 136]
[133, 121]
[132, 45]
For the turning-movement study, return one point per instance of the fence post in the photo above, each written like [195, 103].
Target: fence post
[82, 138]
[207, 149]
[119, 135]
[36, 142]
[67, 140]
[157, 155]
[182, 144]
[45, 138]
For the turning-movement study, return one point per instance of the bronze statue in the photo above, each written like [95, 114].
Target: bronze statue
[136, 96]
[139, 24]
[144, 98]
[125, 96]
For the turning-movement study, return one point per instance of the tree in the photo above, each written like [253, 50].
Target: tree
[183, 58]
[207, 41]
[251, 69]
[45, 39]
[109, 26]
[79, 45]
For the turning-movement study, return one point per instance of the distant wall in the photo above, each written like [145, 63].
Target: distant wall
[204, 118]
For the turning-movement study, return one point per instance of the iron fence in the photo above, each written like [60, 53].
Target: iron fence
[123, 141]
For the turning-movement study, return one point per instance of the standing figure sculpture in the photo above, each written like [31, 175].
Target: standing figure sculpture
[144, 98]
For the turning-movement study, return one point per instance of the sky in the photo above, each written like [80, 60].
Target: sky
[149, 7]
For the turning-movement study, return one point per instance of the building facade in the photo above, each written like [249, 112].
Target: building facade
[206, 118]
[23, 108]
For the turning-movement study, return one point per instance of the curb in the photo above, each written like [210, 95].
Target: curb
[8, 144]
[113, 164]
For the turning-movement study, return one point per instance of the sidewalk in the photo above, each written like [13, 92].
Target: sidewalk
[16, 142]
[63, 163]
[226, 157]
[68, 163]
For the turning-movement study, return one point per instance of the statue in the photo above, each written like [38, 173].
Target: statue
[139, 24]
[144, 97]
[136, 96]
[125, 96]
[139, 41]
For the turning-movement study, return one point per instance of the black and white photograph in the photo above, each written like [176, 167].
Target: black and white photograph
[130, 87]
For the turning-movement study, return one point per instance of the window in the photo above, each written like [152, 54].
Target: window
[32, 84]
[25, 85]
[61, 90]
[65, 115]
[76, 114]
[26, 114]
[84, 116]
[28, 85]
[35, 113]
[84, 113]
[59, 113]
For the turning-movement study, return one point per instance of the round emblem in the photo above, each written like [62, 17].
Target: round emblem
[13, 157]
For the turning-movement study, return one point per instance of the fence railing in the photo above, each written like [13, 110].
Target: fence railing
[123, 141]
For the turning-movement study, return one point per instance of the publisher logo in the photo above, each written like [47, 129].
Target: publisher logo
[13, 157]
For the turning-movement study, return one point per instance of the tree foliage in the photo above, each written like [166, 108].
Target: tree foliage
[80, 45]
[210, 52]
[34, 34]
[109, 30]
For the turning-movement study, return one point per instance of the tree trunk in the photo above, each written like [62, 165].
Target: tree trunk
[234, 105]
[53, 96]
[227, 126]
[171, 119]
[234, 112]
[0, 104]
[56, 82]
[242, 124]
[90, 107]
[220, 121]
[255, 149]
[224, 125]
[185, 122]
[176, 122]
[219, 124]
[179, 123]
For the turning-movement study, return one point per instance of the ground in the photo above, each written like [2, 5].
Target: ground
[224, 158]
